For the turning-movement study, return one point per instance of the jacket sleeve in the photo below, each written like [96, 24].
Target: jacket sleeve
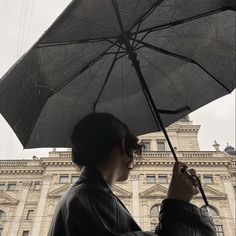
[181, 218]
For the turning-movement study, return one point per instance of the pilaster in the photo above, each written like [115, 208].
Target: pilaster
[41, 205]
[20, 208]
[229, 190]
[135, 197]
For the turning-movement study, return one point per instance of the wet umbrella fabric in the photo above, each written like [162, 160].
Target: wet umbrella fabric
[185, 51]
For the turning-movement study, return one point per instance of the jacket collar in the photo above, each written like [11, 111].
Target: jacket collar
[92, 174]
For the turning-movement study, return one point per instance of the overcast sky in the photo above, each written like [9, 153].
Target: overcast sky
[22, 22]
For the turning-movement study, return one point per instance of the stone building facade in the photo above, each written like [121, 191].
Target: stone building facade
[30, 189]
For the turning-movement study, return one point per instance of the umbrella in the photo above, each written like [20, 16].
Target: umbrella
[147, 62]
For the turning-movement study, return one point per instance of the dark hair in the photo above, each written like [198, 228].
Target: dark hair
[95, 136]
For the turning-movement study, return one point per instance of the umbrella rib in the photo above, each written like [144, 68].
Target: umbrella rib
[106, 79]
[174, 111]
[178, 22]
[95, 40]
[163, 51]
[146, 14]
[79, 72]
[71, 79]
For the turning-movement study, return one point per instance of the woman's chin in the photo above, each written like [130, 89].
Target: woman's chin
[125, 176]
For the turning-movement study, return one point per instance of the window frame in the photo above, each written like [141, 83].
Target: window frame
[208, 177]
[25, 231]
[160, 141]
[3, 215]
[74, 177]
[4, 186]
[11, 184]
[149, 145]
[149, 179]
[158, 206]
[37, 185]
[219, 232]
[30, 214]
[161, 182]
[64, 182]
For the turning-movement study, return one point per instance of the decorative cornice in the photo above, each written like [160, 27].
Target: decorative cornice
[211, 193]
[154, 191]
[182, 129]
[60, 162]
[120, 192]
[16, 171]
[171, 163]
[56, 193]
[199, 158]
[7, 199]
[14, 163]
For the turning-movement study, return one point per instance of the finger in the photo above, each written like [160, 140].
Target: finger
[195, 190]
[192, 171]
[178, 167]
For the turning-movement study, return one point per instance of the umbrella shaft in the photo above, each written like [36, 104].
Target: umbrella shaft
[152, 106]
[135, 64]
[151, 103]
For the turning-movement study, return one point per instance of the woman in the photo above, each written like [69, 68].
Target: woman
[105, 147]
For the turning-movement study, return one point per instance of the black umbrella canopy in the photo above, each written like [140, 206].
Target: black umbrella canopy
[185, 51]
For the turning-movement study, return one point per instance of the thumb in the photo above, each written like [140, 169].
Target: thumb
[179, 167]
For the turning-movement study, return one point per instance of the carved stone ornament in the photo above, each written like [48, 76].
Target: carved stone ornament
[154, 220]
[27, 184]
[134, 177]
[47, 177]
[2, 198]
[225, 177]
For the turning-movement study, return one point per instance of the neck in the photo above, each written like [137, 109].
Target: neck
[109, 175]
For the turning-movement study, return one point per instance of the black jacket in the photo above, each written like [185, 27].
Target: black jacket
[89, 208]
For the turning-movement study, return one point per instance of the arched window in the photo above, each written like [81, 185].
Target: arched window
[212, 211]
[154, 214]
[155, 210]
[2, 215]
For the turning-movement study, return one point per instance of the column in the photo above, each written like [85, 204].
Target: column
[153, 145]
[229, 190]
[135, 197]
[41, 205]
[20, 208]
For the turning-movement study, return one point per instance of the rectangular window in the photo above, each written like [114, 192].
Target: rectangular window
[64, 179]
[2, 186]
[153, 227]
[219, 230]
[147, 145]
[25, 233]
[1, 229]
[151, 179]
[74, 178]
[208, 179]
[234, 188]
[162, 179]
[37, 185]
[11, 187]
[30, 215]
[161, 146]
